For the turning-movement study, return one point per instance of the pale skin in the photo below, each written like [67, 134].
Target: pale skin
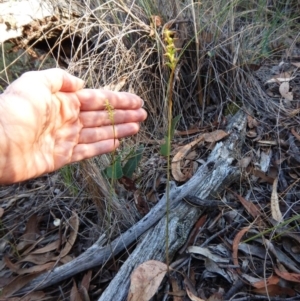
[48, 120]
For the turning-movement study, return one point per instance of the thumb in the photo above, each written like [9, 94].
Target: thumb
[59, 80]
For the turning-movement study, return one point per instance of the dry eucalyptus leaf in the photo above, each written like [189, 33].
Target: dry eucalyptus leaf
[296, 64]
[74, 294]
[50, 247]
[282, 257]
[183, 152]
[251, 134]
[145, 280]
[288, 246]
[215, 136]
[252, 122]
[33, 296]
[191, 290]
[187, 132]
[282, 77]
[37, 268]
[141, 203]
[252, 209]
[177, 292]
[18, 283]
[192, 296]
[39, 258]
[191, 156]
[250, 279]
[275, 210]
[252, 250]
[31, 233]
[267, 142]
[12, 266]
[86, 280]
[275, 290]
[288, 276]
[235, 246]
[66, 259]
[284, 91]
[272, 280]
[74, 225]
[207, 253]
[213, 267]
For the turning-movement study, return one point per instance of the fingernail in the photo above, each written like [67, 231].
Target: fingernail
[142, 103]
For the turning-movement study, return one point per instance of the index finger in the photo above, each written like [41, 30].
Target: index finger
[94, 100]
[55, 80]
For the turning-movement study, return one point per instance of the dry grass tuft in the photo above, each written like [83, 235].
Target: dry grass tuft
[221, 43]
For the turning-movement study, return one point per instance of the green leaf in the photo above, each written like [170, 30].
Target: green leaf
[174, 123]
[115, 170]
[133, 162]
[164, 148]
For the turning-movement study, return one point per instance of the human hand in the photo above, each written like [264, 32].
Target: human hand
[47, 120]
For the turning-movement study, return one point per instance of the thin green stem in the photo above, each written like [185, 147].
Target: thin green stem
[111, 112]
[277, 227]
[171, 62]
[170, 105]
[111, 115]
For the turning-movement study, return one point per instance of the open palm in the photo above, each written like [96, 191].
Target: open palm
[48, 120]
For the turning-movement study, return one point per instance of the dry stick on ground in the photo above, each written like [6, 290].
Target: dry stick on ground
[209, 180]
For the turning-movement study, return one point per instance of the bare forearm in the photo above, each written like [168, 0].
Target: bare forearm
[11, 153]
[3, 142]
